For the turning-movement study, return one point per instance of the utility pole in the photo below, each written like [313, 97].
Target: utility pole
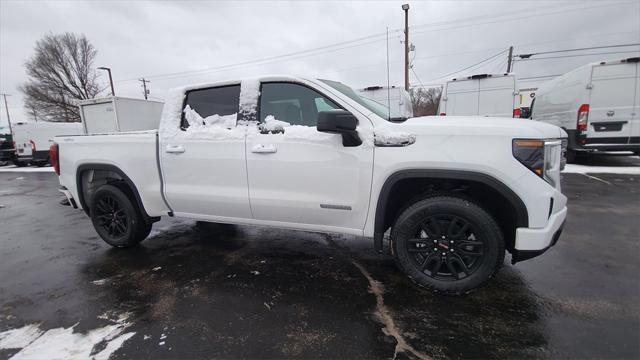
[144, 87]
[510, 59]
[6, 107]
[113, 93]
[405, 7]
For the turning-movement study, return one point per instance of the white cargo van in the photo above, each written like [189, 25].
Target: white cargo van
[482, 95]
[598, 105]
[33, 139]
[117, 114]
[395, 98]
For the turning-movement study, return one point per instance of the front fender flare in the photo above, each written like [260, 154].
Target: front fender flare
[522, 216]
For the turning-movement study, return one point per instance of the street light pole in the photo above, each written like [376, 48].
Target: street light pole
[405, 7]
[113, 93]
[7, 109]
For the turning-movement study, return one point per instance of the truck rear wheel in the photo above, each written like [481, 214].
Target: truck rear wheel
[447, 244]
[117, 218]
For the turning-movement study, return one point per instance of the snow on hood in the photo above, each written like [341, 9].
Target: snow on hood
[477, 125]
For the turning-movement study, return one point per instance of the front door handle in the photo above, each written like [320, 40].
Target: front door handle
[264, 149]
[175, 149]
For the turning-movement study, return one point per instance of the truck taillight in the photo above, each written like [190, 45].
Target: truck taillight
[516, 113]
[33, 145]
[583, 117]
[54, 157]
[443, 114]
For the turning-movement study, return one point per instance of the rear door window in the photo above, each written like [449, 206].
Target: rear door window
[219, 101]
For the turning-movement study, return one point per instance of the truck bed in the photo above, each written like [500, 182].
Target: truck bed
[130, 156]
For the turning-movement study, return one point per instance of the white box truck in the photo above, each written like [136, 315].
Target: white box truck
[482, 95]
[118, 114]
[395, 98]
[597, 104]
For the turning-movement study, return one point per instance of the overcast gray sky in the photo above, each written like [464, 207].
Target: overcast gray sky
[167, 41]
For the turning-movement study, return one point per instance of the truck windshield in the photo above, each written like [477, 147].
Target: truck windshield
[377, 108]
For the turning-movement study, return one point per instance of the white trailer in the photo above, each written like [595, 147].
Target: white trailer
[597, 104]
[118, 114]
[481, 95]
[395, 98]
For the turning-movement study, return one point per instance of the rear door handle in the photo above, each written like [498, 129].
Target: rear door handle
[175, 149]
[264, 149]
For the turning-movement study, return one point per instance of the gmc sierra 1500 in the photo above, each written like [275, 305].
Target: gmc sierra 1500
[313, 155]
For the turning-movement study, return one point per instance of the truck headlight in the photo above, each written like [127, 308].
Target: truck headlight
[543, 157]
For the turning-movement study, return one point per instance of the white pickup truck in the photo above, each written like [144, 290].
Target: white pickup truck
[312, 155]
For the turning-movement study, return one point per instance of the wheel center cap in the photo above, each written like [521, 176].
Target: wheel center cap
[443, 244]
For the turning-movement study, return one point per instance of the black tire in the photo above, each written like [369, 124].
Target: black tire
[117, 218]
[20, 163]
[447, 244]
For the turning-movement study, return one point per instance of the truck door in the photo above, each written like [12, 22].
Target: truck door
[300, 176]
[496, 96]
[613, 88]
[203, 166]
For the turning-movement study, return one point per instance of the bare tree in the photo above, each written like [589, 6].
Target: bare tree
[425, 101]
[60, 72]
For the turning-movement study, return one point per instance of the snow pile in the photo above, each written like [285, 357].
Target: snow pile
[271, 124]
[384, 136]
[63, 343]
[195, 120]
[171, 113]
[296, 132]
[249, 93]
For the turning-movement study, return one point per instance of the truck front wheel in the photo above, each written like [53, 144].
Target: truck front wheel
[117, 218]
[447, 244]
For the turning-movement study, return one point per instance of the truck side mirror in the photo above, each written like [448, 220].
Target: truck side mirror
[339, 122]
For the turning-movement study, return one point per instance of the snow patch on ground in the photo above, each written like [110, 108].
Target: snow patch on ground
[19, 338]
[64, 343]
[586, 169]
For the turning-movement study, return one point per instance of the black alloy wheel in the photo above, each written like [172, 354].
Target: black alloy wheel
[446, 247]
[117, 218]
[112, 217]
[447, 244]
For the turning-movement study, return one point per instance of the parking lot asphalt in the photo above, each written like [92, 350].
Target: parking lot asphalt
[222, 291]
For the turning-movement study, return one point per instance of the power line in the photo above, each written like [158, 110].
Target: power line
[353, 42]
[471, 66]
[527, 16]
